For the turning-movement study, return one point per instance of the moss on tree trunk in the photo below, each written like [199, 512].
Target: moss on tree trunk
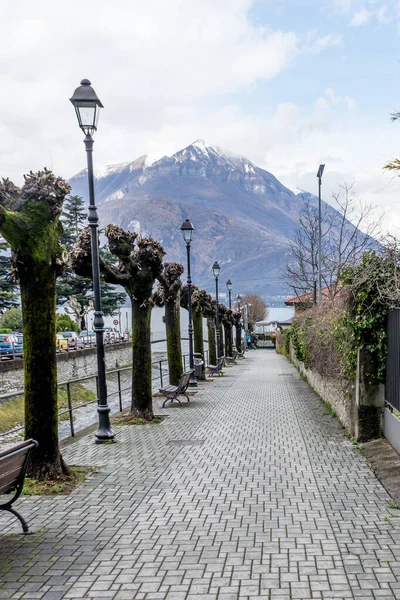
[174, 349]
[198, 333]
[29, 221]
[228, 338]
[221, 340]
[40, 369]
[142, 405]
[238, 338]
[212, 347]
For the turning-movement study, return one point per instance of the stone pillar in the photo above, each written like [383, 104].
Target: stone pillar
[369, 400]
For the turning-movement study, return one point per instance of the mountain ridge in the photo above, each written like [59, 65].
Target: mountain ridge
[243, 216]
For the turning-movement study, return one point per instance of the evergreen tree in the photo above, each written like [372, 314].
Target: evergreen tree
[73, 219]
[8, 295]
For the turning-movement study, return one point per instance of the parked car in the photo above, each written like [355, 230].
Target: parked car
[61, 342]
[88, 338]
[110, 335]
[10, 347]
[73, 339]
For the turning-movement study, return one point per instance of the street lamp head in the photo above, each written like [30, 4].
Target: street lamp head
[187, 231]
[87, 107]
[229, 284]
[216, 269]
[320, 171]
[238, 297]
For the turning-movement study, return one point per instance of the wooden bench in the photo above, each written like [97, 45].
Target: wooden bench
[216, 369]
[13, 465]
[173, 391]
[232, 359]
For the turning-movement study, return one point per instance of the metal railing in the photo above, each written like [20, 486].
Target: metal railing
[157, 367]
[15, 349]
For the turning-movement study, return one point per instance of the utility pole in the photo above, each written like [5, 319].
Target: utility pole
[319, 175]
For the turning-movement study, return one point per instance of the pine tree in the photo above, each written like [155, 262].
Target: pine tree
[73, 218]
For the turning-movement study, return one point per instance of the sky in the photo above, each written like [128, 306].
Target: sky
[289, 84]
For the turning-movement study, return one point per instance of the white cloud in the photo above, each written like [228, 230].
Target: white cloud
[169, 73]
[365, 12]
[360, 18]
[152, 63]
[315, 42]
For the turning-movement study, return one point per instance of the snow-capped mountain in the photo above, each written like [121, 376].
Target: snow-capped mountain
[243, 216]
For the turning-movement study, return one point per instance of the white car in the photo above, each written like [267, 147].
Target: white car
[88, 338]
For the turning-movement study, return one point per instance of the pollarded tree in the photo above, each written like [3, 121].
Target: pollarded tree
[184, 301]
[209, 313]
[238, 328]
[203, 306]
[29, 221]
[201, 303]
[168, 295]
[227, 319]
[139, 265]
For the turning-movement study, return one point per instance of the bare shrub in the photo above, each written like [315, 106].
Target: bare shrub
[314, 340]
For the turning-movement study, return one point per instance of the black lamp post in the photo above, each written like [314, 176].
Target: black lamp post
[187, 232]
[229, 286]
[216, 269]
[319, 175]
[87, 107]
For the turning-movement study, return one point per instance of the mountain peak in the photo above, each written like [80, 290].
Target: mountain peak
[200, 144]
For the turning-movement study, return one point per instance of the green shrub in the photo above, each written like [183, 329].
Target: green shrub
[65, 323]
[299, 339]
[12, 319]
[287, 333]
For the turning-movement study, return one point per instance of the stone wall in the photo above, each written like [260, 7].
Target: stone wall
[70, 366]
[334, 391]
[359, 406]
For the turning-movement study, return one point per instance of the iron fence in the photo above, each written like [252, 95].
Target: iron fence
[159, 366]
[392, 383]
[15, 349]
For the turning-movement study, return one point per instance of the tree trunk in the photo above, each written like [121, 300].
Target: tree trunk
[221, 340]
[212, 348]
[38, 296]
[228, 339]
[174, 349]
[238, 338]
[142, 400]
[198, 332]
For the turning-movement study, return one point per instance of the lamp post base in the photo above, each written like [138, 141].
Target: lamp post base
[193, 381]
[104, 433]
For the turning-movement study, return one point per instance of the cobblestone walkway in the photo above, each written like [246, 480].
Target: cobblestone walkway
[250, 491]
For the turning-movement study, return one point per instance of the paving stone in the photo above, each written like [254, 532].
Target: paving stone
[275, 503]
